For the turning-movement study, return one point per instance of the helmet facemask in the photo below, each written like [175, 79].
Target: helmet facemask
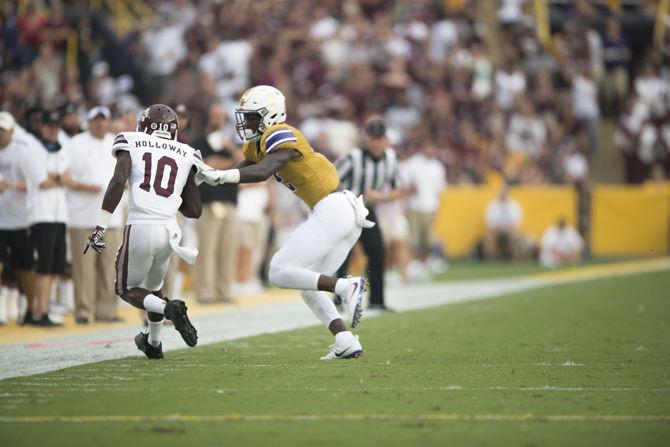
[250, 123]
[261, 107]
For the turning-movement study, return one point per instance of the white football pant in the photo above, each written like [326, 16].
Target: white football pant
[318, 246]
[143, 258]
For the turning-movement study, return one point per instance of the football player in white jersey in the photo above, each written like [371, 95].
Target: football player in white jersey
[161, 176]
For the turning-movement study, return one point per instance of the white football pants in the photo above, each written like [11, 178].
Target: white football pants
[143, 258]
[318, 246]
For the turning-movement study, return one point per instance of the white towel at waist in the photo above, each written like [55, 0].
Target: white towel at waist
[188, 254]
[360, 209]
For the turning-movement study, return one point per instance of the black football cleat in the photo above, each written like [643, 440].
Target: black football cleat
[175, 311]
[152, 352]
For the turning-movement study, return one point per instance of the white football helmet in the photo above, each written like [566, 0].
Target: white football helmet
[261, 107]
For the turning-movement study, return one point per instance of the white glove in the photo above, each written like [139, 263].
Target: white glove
[204, 171]
[227, 176]
[210, 176]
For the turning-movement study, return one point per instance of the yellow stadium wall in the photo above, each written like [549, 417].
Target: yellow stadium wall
[460, 219]
[629, 220]
[625, 220]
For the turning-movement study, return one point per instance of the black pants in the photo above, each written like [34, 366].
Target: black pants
[49, 242]
[373, 246]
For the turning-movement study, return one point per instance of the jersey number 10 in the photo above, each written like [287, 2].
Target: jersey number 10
[163, 162]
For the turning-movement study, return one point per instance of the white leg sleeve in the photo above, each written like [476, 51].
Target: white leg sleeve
[290, 277]
[321, 305]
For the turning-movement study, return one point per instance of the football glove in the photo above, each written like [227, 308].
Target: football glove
[96, 240]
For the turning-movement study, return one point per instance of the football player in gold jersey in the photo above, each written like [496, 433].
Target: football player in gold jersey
[316, 249]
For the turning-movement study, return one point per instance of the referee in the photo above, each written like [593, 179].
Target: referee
[372, 171]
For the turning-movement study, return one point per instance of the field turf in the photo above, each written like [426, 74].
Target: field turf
[463, 270]
[579, 364]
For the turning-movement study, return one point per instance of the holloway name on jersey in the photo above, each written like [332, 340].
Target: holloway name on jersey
[310, 176]
[159, 170]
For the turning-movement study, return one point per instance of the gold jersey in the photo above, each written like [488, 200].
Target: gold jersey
[310, 176]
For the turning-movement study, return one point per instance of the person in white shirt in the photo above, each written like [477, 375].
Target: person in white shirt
[15, 246]
[92, 166]
[561, 244]
[503, 220]
[252, 204]
[527, 132]
[510, 82]
[47, 178]
[429, 178]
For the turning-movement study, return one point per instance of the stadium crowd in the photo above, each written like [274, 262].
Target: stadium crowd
[516, 112]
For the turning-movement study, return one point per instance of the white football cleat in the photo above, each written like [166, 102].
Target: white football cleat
[341, 352]
[354, 298]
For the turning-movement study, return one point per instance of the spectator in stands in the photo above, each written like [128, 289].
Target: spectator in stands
[561, 244]
[91, 167]
[510, 82]
[616, 54]
[527, 132]
[217, 227]
[15, 246]
[49, 176]
[585, 103]
[503, 222]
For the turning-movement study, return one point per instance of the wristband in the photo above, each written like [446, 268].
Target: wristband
[103, 219]
[232, 176]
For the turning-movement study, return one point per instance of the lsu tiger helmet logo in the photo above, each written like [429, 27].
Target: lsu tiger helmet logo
[260, 108]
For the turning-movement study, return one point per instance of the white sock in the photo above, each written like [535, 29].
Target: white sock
[321, 305]
[155, 332]
[13, 306]
[342, 287]
[154, 304]
[344, 338]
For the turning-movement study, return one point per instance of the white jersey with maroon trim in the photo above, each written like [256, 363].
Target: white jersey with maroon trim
[159, 170]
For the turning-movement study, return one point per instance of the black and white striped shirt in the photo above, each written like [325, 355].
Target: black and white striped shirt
[360, 172]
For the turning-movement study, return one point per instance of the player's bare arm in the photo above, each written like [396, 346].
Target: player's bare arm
[113, 195]
[243, 164]
[117, 183]
[270, 165]
[191, 201]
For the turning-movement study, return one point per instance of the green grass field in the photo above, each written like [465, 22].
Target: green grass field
[553, 366]
[461, 270]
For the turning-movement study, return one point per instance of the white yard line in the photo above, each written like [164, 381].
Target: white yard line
[57, 353]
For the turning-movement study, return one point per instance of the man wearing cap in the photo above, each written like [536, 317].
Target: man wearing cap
[47, 177]
[71, 123]
[91, 167]
[15, 245]
[373, 171]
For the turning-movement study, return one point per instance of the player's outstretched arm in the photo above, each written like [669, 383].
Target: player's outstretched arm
[191, 201]
[270, 165]
[243, 164]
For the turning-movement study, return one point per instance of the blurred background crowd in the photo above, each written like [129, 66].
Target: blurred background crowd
[500, 92]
